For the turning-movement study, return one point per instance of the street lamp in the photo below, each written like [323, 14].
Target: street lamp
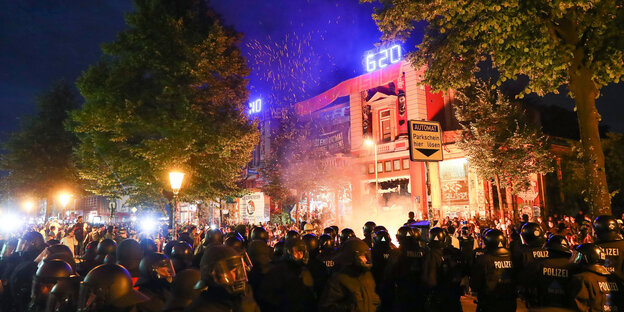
[29, 205]
[372, 143]
[175, 178]
[64, 199]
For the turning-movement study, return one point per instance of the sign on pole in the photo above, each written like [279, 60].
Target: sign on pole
[425, 140]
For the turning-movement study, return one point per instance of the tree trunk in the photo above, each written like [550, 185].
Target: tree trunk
[510, 206]
[48, 208]
[585, 92]
[500, 197]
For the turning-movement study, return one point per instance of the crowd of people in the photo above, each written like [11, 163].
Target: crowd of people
[564, 263]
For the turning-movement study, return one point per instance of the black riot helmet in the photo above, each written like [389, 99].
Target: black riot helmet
[90, 251]
[234, 241]
[331, 232]
[69, 258]
[106, 288]
[606, 228]
[355, 253]
[326, 242]
[588, 254]
[64, 295]
[532, 234]
[242, 230]
[59, 249]
[181, 255]
[213, 236]
[30, 245]
[405, 236]
[379, 228]
[382, 239]
[494, 239]
[148, 246]
[368, 228]
[292, 234]
[129, 254]
[558, 244]
[295, 250]
[438, 237]
[48, 274]
[223, 267]
[105, 247]
[346, 234]
[183, 290]
[278, 249]
[312, 242]
[260, 233]
[8, 248]
[155, 267]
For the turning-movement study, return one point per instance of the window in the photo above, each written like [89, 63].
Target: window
[371, 168]
[406, 163]
[385, 123]
[388, 166]
[379, 167]
[397, 164]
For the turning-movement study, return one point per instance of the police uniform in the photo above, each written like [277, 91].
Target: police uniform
[614, 256]
[595, 289]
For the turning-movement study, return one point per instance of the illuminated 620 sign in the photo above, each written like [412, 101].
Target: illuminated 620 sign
[377, 59]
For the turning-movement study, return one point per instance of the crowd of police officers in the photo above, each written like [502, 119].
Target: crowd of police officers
[336, 271]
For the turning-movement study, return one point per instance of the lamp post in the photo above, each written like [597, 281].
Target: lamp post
[372, 143]
[175, 178]
[64, 199]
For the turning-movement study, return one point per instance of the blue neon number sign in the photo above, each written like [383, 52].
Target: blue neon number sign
[381, 58]
[255, 106]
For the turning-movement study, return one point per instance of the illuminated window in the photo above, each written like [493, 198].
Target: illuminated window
[379, 167]
[371, 168]
[406, 163]
[385, 124]
[388, 166]
[397, 164]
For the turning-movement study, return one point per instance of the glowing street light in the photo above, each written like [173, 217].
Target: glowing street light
[175, 178]
[64, 199]
[371, 143]
[29, 205]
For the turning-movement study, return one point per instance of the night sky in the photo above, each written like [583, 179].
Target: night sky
[43, 41]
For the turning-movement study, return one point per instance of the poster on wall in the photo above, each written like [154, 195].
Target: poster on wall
[252, 208]
[454, 183]
[401, 108]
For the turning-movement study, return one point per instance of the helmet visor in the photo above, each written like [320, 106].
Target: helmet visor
[164, 270]
[231, 274]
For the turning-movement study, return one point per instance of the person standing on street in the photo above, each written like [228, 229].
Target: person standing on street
[80, 235]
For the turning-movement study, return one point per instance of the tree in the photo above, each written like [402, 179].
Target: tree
[169, 93]
[553, 43]
[38, 157]
[500, 142]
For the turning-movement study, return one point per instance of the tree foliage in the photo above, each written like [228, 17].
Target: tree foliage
[578, 43]
[38, 157]
[169, 93]
[499, 140]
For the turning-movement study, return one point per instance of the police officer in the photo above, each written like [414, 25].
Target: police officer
[443, 273]
[183, 290]
[260, 233]
[331, 232]
[367, 230]
[48, 274]
[292, 234]
[212, 236]
[327, 252]
[108, 287]
[608, 236]
[594, 288]
[21, 275]
[492, 275]
[545, 279]
[224, 278]
[315, 266]
[148, 245]
[64, 295]
[380, 255]
[106, 248]
[405, 271]
[156, 275]
[181, 255]
[260, 255]
[129, 254]
[289, 285]
[88, 259]
[352, 288]
[532, 246]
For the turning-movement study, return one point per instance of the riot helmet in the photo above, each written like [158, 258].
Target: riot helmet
[292, 234]
[312, 242]
[494, 239]
[8, 248]
[129, 254]
[558, 244]
[242, 230]
[64, 295]
[260, 233]
[278, 249]
[368, 228]
[588, 254]
[235, 242]
[48, 274]
[69, 258]
[346, 234]
[148, 246]
[326, 242]
[213, 236]
[606, 229]
[532, 234]
[405, 236]
[331, 232]
[155, 267]
[90, 251]
[105, 247]
[223, 267]
[382, 239]
[30, 245]
[108, 287]
[295, 250]
[438, 237]
[181, 255]
[356, 253]
[379, 228]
